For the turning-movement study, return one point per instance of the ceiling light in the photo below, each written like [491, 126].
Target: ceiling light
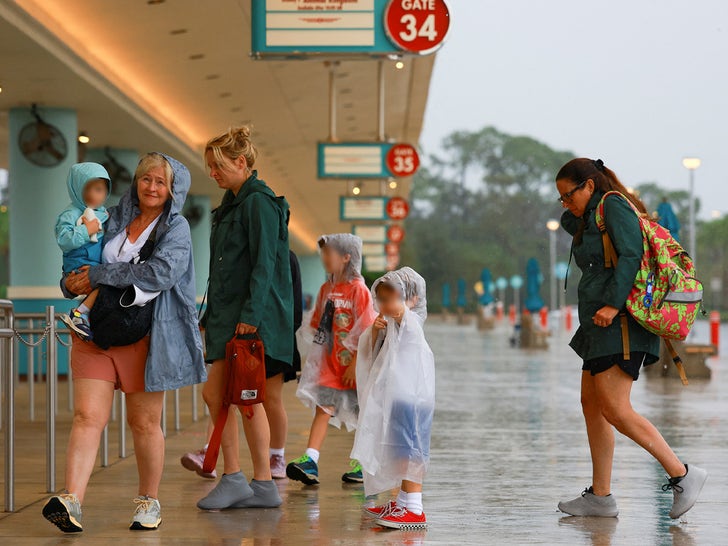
[225, 95]
[392, 184]
[196, 56]
[83, 138]
[178, 31]
[356, 190]
[1, 88]
[155, 2]
[212, 76]
[399, 65]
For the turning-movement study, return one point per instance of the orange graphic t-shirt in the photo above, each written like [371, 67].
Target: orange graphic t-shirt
[343, 312]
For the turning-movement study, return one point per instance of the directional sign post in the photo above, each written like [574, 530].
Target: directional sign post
[363, 208]
[403, 160]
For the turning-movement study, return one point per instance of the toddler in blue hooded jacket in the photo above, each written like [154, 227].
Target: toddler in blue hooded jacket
[79, 232]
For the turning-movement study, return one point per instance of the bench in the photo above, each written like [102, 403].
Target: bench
[694, 357]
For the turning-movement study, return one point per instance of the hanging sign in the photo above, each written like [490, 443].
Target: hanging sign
[403, 160]
[371, 234]
[395, 233]
[346, 28]
[366, 160]
[363, 208]
[417, 26]
[375, 263]
[397, 208]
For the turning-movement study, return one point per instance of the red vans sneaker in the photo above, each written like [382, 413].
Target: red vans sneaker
[403, 519]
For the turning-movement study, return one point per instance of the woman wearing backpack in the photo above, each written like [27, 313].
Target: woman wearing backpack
[607, 375]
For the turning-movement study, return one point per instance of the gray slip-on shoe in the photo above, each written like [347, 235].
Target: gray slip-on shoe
[265, 495]
[589, 504]
[231, 489]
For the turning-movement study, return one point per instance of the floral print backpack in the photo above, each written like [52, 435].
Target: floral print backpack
[666, 296]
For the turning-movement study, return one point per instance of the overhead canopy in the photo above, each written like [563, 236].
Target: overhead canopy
[151, 75]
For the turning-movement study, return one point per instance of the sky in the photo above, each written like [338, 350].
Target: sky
[640, 84]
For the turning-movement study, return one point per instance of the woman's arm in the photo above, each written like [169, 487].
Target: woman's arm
[261, 221]
[160, 272]
[624, 230]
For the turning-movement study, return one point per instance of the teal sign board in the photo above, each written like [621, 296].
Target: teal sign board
[290, 28]
[353, 160]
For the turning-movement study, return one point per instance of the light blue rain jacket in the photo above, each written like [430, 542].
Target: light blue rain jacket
[175, 352]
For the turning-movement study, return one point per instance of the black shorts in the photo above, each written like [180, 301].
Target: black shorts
[274, 367]
[631, 367]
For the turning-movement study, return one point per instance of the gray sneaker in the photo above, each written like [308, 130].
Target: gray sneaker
[589, 504]
[147, 516]
[64, 511]
[231, 489]
[265, 496]
[685, 490]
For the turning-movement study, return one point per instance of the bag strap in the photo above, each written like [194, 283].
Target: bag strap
[213, 447]
[678, 362]
[625, 335]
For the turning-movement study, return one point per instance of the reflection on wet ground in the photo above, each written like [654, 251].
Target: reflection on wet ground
[508, 443]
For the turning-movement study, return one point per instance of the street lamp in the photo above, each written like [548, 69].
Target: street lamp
[553, 226]
[692, 163]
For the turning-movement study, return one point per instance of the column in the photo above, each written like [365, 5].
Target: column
[197, 211]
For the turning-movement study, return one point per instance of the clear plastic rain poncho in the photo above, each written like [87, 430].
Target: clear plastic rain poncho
[396, 388]
[342, 313]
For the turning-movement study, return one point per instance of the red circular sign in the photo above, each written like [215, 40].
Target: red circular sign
[392, 262]
[417, 26]
[403, 160]
[395, 233]
[397, 208]
[391, 249]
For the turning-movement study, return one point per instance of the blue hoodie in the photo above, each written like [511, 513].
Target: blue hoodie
[74, 240]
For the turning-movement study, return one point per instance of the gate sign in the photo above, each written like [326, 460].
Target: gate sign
[417, 26]
[371, 234]
[397, 208]
[403, 160]
[366, 160]
[285, 29]
[395, 234]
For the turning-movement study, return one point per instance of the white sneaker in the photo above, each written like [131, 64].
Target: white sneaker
[147, 515]
[591, 505]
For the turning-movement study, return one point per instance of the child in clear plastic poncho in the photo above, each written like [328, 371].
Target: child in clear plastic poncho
[396, 387]
[328, 381]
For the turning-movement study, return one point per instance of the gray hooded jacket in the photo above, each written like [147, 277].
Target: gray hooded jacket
[175, 351]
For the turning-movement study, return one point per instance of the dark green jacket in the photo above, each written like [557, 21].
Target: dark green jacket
[250, 271]
[600, 286]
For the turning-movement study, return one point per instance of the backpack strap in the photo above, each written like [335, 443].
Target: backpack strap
[677, 360]
[610, 254]
[625, 335]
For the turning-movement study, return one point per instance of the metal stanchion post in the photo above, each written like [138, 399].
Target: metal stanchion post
[8, 413]
[176, 410]
[122, 425]
[51, 380]
[164, 415]
[31, 374]
[105, 446]
[194, 404]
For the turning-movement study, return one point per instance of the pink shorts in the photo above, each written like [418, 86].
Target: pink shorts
[122, 366]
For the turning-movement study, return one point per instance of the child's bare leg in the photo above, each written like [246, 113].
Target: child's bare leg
[411, 487]
[91, 298]
[319, 427]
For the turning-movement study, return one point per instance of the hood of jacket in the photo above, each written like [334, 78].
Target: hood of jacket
[411, 287]
[78, 177]
[346, 243]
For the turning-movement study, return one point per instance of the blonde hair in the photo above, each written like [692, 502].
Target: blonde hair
[232, 144]
[150, 161]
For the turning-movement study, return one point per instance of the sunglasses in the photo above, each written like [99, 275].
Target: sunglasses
[566, 197]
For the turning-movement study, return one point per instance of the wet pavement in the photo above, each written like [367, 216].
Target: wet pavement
[508, 443]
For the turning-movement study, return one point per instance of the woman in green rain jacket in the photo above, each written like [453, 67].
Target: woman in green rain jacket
[250, 290]
[609, 371]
